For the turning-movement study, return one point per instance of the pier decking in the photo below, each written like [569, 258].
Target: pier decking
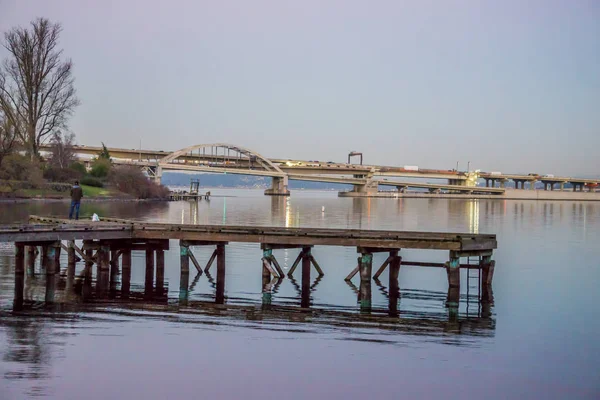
[109, 244]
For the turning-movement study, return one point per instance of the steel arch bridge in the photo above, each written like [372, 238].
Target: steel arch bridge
[221, 157]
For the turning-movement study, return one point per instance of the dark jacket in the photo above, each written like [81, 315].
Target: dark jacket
[76, 193]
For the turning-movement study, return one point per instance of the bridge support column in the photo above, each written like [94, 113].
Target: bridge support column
[562, 186]
[368, 187]
[532, 185]
[279, 187]
[158, 175]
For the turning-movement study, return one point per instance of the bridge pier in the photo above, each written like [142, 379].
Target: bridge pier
[279, 187]
[369, 187]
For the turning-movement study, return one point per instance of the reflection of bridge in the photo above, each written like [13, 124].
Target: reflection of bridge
[366, 179]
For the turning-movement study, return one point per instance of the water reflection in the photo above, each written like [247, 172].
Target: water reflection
[420, 315]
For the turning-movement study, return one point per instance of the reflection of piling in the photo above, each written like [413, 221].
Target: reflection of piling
[305, 302]
[394, 287]
[19, 276]
[220, 295]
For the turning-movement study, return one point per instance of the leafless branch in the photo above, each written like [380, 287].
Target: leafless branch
[37, 93]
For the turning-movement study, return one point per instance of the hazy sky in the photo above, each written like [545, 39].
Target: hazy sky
[512, 86]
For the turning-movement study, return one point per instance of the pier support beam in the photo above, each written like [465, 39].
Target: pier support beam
[19, 276]
[279, 187]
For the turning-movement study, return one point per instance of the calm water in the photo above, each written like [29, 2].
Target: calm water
[538, 340]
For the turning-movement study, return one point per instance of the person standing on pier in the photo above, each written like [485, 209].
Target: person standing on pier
[76, 195]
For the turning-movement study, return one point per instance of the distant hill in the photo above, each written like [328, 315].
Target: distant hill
[241, 181]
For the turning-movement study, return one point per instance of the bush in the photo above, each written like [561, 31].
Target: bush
[78, 167]
[132, 181]
[55, 174]
[100, 168]
[20, 168]
[91, 181]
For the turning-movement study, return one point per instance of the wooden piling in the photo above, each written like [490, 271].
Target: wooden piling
[220, 295]
[184, 252]
[125, 273]
[44, 257]
[160, 271]
[365, 269]
[88, 266]
[184, 279]
[19, 276]
[453, 270]
[487, 270]
[70, 266]
[452, 302]
[31, 256]
[114, 269]
[103, 271]
[104, 258]
[149, 279]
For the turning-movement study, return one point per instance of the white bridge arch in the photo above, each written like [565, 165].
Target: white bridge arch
[240, 158]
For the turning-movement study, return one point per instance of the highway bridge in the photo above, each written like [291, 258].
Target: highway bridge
[366, 179]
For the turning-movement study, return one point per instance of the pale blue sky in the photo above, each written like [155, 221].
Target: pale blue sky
[512, 86]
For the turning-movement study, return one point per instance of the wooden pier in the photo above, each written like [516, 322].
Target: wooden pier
[108, 245]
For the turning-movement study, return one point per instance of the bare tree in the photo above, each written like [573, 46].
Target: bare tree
[62, 150]
[8, 138]
[36, 87]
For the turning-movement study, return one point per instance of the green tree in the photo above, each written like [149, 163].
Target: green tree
[104, 153]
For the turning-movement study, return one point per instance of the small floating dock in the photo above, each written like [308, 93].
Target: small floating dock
[108, 245]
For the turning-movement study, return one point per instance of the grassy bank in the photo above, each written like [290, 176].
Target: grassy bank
[89, 192]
